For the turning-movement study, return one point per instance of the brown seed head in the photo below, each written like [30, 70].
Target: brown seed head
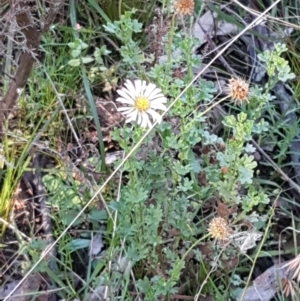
[184, 7]
[218, 228]
[289, 288]
[224, 169]
[238, 90]
[294, 267]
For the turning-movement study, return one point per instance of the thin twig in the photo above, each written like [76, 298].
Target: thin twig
[209, 273]
[276, 167]
[215, 48]
[114, 230]
[270, 18]
[245, 41]
[16, 230]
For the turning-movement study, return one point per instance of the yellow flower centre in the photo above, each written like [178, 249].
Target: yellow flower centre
[141, 103]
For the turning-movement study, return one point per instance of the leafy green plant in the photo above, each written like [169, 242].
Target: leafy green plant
[11, 171]
[162, 190]
[276, 66]
[160, 213]
[65, 197]
[76, 49]
[113, 10]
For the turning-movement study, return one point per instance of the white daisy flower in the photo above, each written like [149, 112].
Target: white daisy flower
[143, 99]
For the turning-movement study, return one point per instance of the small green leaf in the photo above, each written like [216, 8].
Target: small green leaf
[68, 217]
[87, 60]
[75, 53]
[78, 244]
[52, 182]
[181, 169]
[74, 62]
[249, 148]
[98, 215]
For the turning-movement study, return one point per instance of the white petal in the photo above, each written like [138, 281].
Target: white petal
[133, 113]
[125, 102]
[132, 116]
[143, 124]
[159, 97]
[125, 110]
[159, 106]
[139, 118]
[155, 93]
[148, 121]
[145, 120]
[158, 101]
[149, 89]
[138, 85]
[125, 96]
[128, 120]
[144, 86]
[131, 88]
[155, 116]
[124, 89]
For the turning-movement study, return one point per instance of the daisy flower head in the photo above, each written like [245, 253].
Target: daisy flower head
[238, 90]
[142, 101]
[184, 7]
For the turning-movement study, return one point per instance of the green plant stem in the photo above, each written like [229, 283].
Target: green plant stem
[120, 8]
[169, 53]
[209, 108]
[193, 246]
[259, 250]
[212, 106]
[210, 281]
[183, 125]
[95, 115]
[88, 277]
[178, 264]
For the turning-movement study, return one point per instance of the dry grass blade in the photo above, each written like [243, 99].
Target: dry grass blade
[289, 288]
[270, 18]
[294, 267]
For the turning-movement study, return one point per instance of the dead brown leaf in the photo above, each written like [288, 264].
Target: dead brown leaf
[24, 292]
[107, 112]
[223, 211]
[230, 264]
